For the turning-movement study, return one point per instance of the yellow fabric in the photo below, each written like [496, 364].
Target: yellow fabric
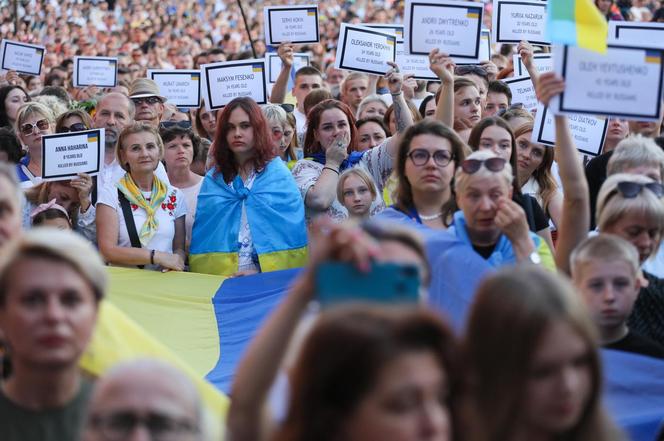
[280, 260]
[591, 27]
[546, 255]
[389, 191]
[134, 195]
[224, 264]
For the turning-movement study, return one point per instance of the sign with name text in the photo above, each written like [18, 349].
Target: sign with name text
[517, 20]
[417, 65]
[543, 63]
[21, 57]
[64, 155]
[95, 71]
[588, 131]
[223, 82]
[485, 50]
[365, 49]
[523, 91]
[273, 64]
[293, 24]
[180, 87]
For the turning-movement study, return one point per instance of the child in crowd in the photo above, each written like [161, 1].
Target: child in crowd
[356, 190]
[605, 269]
[51, 214]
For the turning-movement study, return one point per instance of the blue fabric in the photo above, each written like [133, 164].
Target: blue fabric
[391, 214]
[22, 177]
[352, 160]
[275, 212]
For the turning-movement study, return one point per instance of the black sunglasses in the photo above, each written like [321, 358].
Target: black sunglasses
[180, 124]
[471, 166]
[288, 108]
[76, 127]
[514, 106]
[469, 69]
[630, 190]
[149, 100]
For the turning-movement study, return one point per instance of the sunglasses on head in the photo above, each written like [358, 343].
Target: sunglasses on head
[471, 166]
[76, 127]
[180, 124]
[514, 106]
[471, 69]
[149, 100]
[28, 129]
[630, 190]
[288, 108]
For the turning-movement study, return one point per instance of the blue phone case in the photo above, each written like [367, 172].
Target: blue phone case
[385, 283]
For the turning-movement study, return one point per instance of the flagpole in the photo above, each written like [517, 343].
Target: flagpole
[246, 27]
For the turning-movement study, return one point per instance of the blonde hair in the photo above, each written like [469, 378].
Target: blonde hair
[30, 108]
[137, 127]
[604, 247]
[360, 173]
[636, 151]
[462, 179]
[612, 206]
[55, 104]
[373, 98]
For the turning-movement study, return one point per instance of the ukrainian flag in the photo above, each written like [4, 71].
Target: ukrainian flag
[576, 23]
[92, 137]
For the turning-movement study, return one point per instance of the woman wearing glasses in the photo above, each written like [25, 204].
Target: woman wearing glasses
[490, 222]
[427, 157]
[630, 206]
[33, 120]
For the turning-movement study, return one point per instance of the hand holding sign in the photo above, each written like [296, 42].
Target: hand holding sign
[394, 78]
[442, 65]
[83, 186]
[285, 52]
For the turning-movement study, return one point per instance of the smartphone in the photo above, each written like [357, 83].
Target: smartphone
[384, 283]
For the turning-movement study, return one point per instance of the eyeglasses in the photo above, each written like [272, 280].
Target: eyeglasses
[630, 190]
[471, 69]
[471, 166]
[76, 127]
[420, 157]
[180, 124]
[118, 426]
[28, 129]
[149, 100]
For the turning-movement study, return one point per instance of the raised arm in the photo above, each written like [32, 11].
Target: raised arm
[402, 115]
[443, 66]
[575, 217]
[285, 52]
[525, 51]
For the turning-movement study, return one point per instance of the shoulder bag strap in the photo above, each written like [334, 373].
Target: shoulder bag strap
[129, 221]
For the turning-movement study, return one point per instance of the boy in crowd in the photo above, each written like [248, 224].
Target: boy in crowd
[605, 270]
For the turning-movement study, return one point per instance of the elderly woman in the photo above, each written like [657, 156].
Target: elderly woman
[51, 283]
[490, 222]
[630, 206]
[180, 147]
[372, 106]
[141, 220]
[33, 120]
[250, 216]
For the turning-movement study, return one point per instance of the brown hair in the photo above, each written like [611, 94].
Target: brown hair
[83, 115]
[328, 385]
[314, 97]
[404, 191]
[542, 174]
[311, 145]
[511, 312]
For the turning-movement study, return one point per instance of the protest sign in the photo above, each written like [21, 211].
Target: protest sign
[273, 64]
[95, 71]
[180, 87]
[294, 24]
[625, 82]
[543, 63]
[64, 155]
[21, 57]
[396, 29]
[588, 131]
[523, 91]
[635, 32]
[454, 27]
[365, 50]
[485, 50]
[416, 65]
[223, 82]
[517, 20]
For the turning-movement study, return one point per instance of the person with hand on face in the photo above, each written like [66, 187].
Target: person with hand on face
[141, 219]
[605, 270]
[250, 216]
[51, 283]
[149, 104]
[33, 120]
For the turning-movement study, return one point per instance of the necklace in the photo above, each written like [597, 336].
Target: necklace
[431, 217]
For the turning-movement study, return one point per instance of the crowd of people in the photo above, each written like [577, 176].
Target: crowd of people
[438, 176]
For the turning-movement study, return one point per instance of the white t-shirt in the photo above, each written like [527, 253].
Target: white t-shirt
[191, 196]
[173, 207]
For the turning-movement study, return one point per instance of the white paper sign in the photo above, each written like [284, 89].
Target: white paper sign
[396, 29]
[417, 65]
[517, 20]
[485, 50]
[636, 32]
[95, 71]
[180, 87]
[625, 82]
[523, 92]
[365, 50]
[452, 26]
[21, 57]
[588, 131]
[273, 64]
[64, 155]
[223, 82]
[294, 24]
[543, 63]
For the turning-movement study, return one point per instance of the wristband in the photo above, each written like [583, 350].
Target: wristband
[330, 168]
[396, 94]
[151, 257]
